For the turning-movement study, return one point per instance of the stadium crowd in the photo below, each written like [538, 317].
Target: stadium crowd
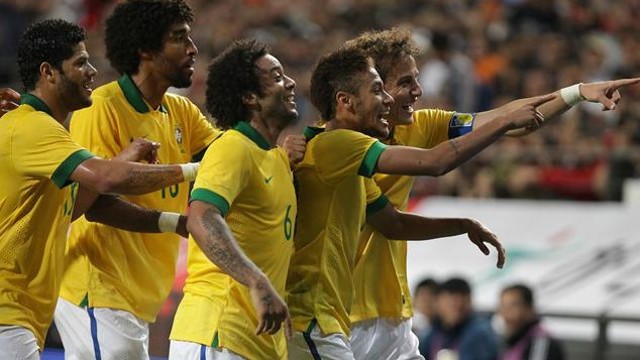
[479, 55]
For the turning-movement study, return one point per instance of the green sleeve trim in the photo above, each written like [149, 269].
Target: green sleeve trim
[216, 341]
[377, 205]
[212, 198]
[370, 161]
[61, 175]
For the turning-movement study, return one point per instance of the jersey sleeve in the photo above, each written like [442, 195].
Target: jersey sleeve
[343, 153]
[94, 128]
[45, 148]
[434, 126]
[376, 200]
[223, 173]
[201, 132]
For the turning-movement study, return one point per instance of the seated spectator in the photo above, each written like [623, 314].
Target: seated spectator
[457, 332]
[424, 297]
[525, 338]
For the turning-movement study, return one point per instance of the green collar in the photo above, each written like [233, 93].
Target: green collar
[311, 131]
[134, 96]
[35, 102]
[247, 130]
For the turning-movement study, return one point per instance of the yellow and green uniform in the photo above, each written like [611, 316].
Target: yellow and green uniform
[334, 195]
[37, 158]
[380, 276]
[252, 186]
[115, 268]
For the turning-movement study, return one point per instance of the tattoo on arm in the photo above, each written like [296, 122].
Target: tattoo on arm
[221, 248]
[145, 179]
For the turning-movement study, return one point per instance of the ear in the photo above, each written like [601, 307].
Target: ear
[47, 72]
[344, 100]
[145, 55]
[250, 99]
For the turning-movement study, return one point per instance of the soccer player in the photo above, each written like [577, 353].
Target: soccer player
[108, 298]
[333, 194]
[381, 314]
[242, 216]
[38, 162]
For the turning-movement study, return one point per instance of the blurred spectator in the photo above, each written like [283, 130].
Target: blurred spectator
[457, 333]
[424, 297]
[525, 338]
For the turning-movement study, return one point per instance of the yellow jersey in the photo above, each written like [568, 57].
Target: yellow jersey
[115, 268]
[332, 204]
[37, 157]
[380, 276]
[252, 186]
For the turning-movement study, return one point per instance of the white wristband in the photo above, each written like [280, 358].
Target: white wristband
[168, 222]
[190, 170]
[571, 94]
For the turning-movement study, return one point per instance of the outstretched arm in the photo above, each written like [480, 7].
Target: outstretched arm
[213, 236]
[446, 156]
[394, 224]
[603, 92]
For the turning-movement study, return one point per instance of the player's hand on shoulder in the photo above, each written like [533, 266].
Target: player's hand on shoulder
[295, 146]
[9, 100]
[138, 150]
[271, 309]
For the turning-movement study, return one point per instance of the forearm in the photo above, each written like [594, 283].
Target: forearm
[550, 110]
[117, 212]
[137, 179]
[213, 236]
[415, 227]
[449, 155]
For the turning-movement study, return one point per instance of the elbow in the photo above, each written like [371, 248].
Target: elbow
[441, 168]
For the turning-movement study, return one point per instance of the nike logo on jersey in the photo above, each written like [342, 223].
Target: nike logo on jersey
[268, 180]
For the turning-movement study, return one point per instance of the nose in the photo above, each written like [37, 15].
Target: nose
[387, 99]
[289, 83]
[416, 90]
[192, 49]
[92, 70]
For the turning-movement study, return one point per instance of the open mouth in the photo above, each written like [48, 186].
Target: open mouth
[290, 99]
[408, 108]
[87, 86]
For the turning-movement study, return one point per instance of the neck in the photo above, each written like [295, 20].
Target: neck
[55, 104]
[338, 123]
[151, 86]
[268, 130]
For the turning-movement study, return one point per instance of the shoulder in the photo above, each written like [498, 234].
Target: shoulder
[427, 115]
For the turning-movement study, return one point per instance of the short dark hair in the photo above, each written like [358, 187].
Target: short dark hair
[51, 41]
[141, 25]
[232, 75]
[428, 283]
[386, 47]
[526, 294]
[334, 72]
[455, 285]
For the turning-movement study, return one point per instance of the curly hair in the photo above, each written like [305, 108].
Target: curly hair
[233, 75]
[386, 47]
[141, 25]
[51, 41]
[337, 71]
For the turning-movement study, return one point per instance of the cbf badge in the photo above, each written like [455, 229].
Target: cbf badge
[177, 133]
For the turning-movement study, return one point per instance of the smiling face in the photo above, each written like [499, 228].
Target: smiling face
[75, 79]
[402, 84]
[371, 105]
[175, 61]
[277, 102]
